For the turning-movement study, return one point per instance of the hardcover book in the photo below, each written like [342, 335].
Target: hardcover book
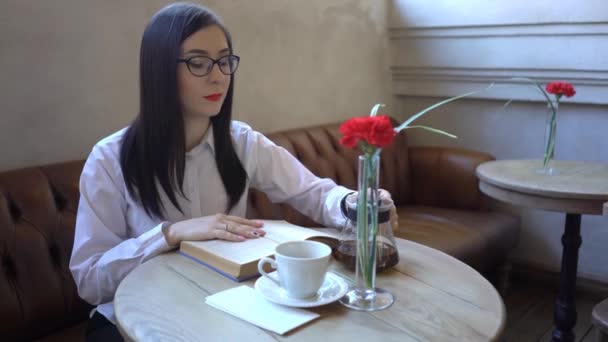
[239, 260]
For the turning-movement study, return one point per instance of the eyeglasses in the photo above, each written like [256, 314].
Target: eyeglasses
[200, 65]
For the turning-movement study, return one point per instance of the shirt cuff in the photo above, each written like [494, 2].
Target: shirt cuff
[332, 204]
[153, 241]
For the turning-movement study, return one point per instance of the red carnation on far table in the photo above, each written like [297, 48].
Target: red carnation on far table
[560, 88]
[373, 130]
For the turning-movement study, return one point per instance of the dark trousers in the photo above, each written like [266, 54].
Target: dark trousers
[99, 329]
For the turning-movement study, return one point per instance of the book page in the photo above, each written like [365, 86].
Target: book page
[253, 249]
[282, 231]
[238, 252]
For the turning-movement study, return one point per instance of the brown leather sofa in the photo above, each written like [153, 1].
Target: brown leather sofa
[435, 190]
[38, 298]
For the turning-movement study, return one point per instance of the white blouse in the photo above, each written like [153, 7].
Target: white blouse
[114, 234]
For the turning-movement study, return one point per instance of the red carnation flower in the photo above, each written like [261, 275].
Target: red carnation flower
[560, 88]
[373, 130]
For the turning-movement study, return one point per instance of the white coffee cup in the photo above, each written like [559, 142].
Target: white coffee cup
[301, 266]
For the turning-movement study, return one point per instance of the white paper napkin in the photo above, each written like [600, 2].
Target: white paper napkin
[244, 303]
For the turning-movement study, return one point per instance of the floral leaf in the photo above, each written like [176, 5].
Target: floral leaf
[377, 107]
[507, 104]
[376, 153]
[439, 104]
[434, 130]
[525, 79]
[532, 84]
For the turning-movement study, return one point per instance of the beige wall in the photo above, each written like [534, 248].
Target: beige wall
[69, 68]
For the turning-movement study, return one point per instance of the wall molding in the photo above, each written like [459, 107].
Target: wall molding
[443, 61]
[592, 85]
[502, 30]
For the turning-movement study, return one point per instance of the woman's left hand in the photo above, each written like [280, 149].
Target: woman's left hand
[385, 196]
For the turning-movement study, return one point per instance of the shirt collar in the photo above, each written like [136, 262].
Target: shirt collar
[207, 141]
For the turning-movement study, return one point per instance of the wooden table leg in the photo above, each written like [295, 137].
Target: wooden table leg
[565, 307]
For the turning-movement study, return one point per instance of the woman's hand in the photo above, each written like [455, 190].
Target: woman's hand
[219, 226]
[385, 197]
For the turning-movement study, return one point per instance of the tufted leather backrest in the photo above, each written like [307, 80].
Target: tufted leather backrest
[37, 217]
[319, 149]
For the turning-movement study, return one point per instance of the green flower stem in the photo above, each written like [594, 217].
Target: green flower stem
[371, 259]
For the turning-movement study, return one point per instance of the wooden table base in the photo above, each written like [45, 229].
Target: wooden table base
[565, 308]
[579, 188]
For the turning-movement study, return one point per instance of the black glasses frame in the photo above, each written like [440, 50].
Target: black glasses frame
[188, 62]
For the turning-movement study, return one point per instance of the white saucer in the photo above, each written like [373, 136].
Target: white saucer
[333, 288]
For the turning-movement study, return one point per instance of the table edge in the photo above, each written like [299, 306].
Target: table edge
[557, 204]
[527, 190]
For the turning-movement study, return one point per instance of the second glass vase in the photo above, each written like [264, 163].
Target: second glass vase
[550, 134]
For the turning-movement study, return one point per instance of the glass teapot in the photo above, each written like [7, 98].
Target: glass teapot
[387, 255]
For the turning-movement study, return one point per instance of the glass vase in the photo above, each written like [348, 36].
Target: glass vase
[364, 295]
[550, 134]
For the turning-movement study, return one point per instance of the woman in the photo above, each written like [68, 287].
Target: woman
[182, 169]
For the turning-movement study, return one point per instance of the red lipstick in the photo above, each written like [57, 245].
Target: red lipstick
[213, 97]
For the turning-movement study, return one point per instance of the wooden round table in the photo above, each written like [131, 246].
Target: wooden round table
[577, 188]
[437, 298]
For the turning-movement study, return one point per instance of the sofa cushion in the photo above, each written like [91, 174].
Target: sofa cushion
[482, 239]
[445, 177]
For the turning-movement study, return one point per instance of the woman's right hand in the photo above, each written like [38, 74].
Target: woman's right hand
[218, 226]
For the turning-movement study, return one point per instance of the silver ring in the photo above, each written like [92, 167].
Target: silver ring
[226, 227]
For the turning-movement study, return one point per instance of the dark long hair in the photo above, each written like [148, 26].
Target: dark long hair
[153, 147]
